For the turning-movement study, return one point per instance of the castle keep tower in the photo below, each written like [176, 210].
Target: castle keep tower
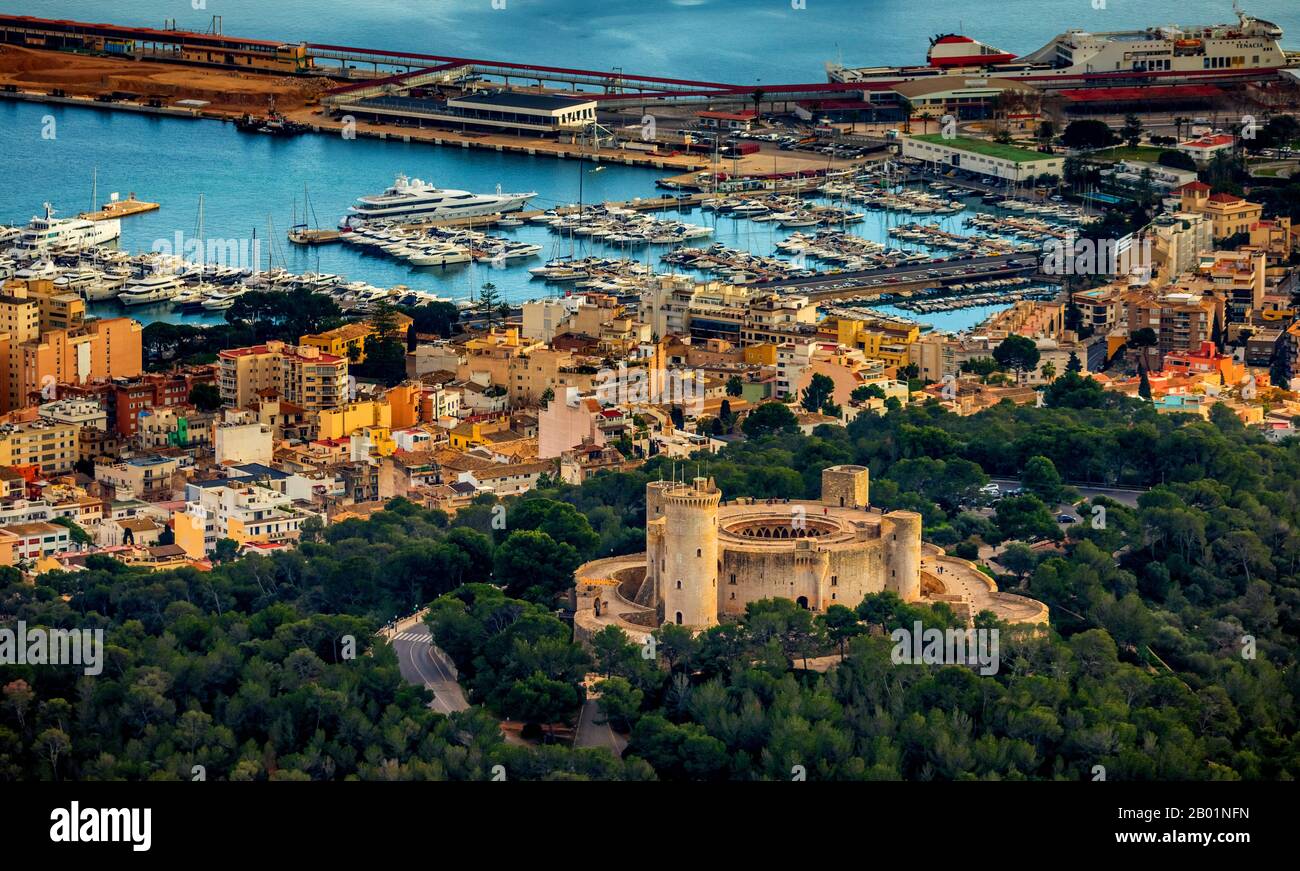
[846, 487]
[901, 531]
[688, 584]
[656, 559]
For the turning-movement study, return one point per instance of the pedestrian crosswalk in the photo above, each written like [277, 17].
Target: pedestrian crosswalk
[412, 636]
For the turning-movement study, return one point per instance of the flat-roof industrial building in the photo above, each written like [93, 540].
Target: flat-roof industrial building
[982, 156]
[532, 113]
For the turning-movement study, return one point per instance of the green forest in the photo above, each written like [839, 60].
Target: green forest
[1172, 653]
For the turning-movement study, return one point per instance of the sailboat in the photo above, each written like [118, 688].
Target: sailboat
[303, 234]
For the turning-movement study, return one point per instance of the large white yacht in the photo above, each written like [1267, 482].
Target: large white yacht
[154, 287]
[410, 199]
[45, 232]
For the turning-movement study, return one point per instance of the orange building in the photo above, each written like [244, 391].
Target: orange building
[1205, 360]
[35, 361]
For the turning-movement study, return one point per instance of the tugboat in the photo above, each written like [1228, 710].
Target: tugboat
[273, 124]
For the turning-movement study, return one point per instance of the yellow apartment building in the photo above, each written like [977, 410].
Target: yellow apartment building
[50, 445]
[351, 338]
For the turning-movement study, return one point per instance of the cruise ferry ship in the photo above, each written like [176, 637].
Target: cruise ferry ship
[412, 200]
[1249, 49]
[46, 234]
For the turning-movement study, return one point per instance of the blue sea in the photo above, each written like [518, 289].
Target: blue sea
[254, 186]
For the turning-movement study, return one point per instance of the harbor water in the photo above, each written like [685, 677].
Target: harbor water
[254, 188]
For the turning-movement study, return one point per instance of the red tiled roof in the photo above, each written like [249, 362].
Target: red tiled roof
[1214, 141]
[1194, 186]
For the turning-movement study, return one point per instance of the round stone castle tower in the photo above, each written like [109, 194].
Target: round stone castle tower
[901, 532]
[688, 581]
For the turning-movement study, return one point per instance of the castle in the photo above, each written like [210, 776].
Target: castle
[705, 560]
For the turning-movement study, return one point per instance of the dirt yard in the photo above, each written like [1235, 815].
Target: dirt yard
[226, 90]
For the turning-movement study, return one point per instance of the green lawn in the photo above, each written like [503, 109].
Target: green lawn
[984, 147]
[1148, 153]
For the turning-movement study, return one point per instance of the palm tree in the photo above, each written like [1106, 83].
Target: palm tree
[905, 106]
[926, 117]
[1049, 371]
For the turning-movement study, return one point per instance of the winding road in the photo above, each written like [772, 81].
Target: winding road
[423, 664]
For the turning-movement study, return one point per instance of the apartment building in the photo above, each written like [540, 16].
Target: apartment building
[84, 413]
[303, 375]
[677, 305]
[44, 343]
[349, 340]
[240, 513]
[243, 442]
[51, 445]
[125, 398]
[1236, 277]
[1181, 319]
[31, 541]
[148, 477]
[1177, 242]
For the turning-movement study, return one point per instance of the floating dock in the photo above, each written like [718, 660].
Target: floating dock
[120, 209]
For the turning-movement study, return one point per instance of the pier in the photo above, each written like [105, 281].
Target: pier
[120, 209]
[827, 286]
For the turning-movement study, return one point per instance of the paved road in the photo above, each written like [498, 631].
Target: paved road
[592, 734]
[1123, 495]
[425, 665]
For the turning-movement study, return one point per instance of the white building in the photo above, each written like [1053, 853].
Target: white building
[982, 156]
[543, 318]
[36, 539]
[85, 413]
[235, 442]
[240, 513]
[1204, 148]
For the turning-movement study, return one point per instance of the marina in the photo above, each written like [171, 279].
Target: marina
[610, 245]
[542, 227]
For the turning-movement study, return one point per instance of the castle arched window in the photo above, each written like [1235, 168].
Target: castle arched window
[679, 618]
[679, 585]
[835, 580]
[699, 552]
